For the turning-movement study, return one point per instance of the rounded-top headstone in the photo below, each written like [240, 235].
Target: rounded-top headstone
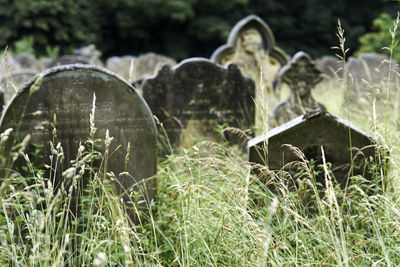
[68, 93]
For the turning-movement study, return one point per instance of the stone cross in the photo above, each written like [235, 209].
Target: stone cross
[301, 75]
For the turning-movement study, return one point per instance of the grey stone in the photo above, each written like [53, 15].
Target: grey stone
[198, 90]
[69, 59]
[308, 133]
[123, 66]
[251, 46]
[13, 81]
[148, 64]
[301, 75]
[67, 92]
[329, 66]
[91, 53]
[368, 78]
[28, 61]
[8, 64]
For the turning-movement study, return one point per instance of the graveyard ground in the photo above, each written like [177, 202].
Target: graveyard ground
[212, 210]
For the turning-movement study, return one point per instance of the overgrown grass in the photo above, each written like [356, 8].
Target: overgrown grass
[210, 209]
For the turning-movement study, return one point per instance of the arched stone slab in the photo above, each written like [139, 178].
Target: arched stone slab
[67, 92]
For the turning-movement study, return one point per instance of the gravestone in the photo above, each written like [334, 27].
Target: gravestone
[68, 93]
[308, 133]
[28, 61]
[198, 93]
[12, 82]
[251, 46]
[301, 75]
[368, 79]
[68, 60]
[148, 64]
[123, 66]
[91, 53]
[329, 66]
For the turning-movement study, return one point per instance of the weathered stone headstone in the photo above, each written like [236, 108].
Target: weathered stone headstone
[28, 61]
[69, 59]
[123, 66]
[329, 66]
[148, 64]
[12, 82]
[301, 75]
[197, 90]
[68, 93]
[309, 133]
[91, 53]
[251, 46]
[368, 78]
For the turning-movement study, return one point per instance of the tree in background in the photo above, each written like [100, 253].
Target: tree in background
[182, 28]
[60, 23]
[380, 37]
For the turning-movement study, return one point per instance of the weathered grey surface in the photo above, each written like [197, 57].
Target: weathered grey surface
[148, 64]
[251, 46]
[136, 69]
[368, 78]
[91, 53]
[13, 81]
[68, 91]
[301, 75]
[199, 90]
[329, 66]
[8, 64]
[28, 61]
[69, 59]
[123, 66]
[309, 133]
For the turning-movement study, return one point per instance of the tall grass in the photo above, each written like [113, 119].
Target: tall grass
[210, 210]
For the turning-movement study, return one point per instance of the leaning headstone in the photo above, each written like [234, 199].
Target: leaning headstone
[251, 46]
[123, 66]
[65, 96]
[12, 82]
[91, 53]
[301, 75]
[309, 133]
[329, 66]
[368, 78]
[199, 92]
[69, 59]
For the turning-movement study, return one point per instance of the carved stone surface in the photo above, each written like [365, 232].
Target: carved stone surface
[301, 75]
[251, 46]
[68, 91]
[69, 59]
[368, 78]
[199, 90]
[12, 82]
[309, 133]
